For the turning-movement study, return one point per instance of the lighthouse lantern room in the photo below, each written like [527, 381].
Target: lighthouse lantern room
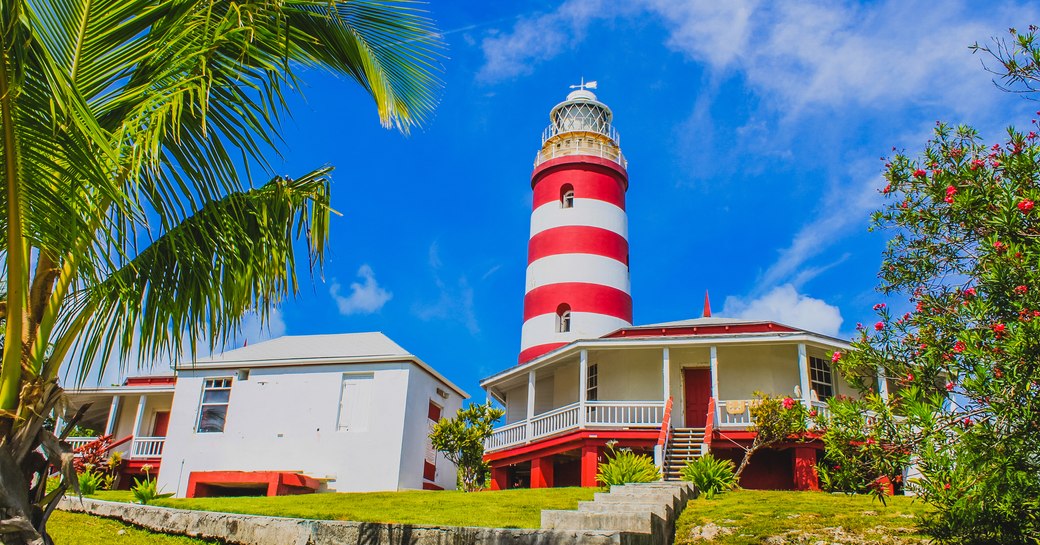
[577, 257]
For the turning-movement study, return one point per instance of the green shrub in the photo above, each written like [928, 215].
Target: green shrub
[146, 490]
[710, 475]
[90, 481]
[624, 466]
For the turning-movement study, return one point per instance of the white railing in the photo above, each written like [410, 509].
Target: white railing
[77, 442]
[821, 408]
[624, 413]
[507, 436]
[734, 413]
[555, 421]
[581, 146]
[147, 447]
[618, 414]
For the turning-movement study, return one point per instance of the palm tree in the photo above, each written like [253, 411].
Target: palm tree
[127, 126]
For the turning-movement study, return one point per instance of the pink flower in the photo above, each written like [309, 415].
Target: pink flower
[813, 413]
[788, 403]
[958, 346]
[836, 357]
[970, 292]
[919, 173]
[909, 377]
[946, 486]
[999, 246]
[1022, 289]
[879, 326]
[1025, 206]
[949, 386]
[976, 163]
[879, 306]
[887, 189]
[999, 328]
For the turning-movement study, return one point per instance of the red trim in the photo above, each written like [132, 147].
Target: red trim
[763, 327]
[571, 441]
[666, 424]
[150, 381]
[431, 486]
[429, 471]
[278, 483]
[709, 425]
[573, 163]
[577, 239]
[588, 183]
[535, 351]
[582, 297]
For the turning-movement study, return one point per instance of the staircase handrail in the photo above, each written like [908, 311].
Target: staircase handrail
[709, 427]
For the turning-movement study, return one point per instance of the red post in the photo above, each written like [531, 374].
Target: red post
[805, 477]
[886, 485]
[589, 465]
[499, 478]
[542, 472]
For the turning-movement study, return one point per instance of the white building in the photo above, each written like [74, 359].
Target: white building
[345, 413]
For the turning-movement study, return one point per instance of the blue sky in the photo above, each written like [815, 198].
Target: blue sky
[754, 133]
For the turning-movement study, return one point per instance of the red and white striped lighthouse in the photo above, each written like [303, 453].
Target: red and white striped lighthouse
[577, 256]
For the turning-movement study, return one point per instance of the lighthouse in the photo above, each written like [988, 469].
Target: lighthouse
[577, 255]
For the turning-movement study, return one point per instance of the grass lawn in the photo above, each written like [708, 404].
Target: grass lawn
[753, 516]
[501, 509]
[78, 529]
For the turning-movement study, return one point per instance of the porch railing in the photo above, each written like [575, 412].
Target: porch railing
[598, 414]
[147, 447]
[736, 413]
[77, 442]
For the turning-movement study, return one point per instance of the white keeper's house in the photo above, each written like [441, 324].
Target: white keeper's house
[346, 413]
[588, 376]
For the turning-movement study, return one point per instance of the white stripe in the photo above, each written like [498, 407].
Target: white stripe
[541, 329]
[585, 268]
[588, 212]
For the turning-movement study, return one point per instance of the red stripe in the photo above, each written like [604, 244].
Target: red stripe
[577, 239]
[535, 351]
[582, 297]
[588, 183]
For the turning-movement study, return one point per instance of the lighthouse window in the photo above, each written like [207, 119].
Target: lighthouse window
[567, 196]
[820, 375]
[563, 318]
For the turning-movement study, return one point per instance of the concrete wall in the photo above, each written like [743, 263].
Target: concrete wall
[629, 375]
[422, 389]
[771, 369]
[285, 419]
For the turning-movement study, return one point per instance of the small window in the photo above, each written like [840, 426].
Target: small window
[216, 393]
[567, 196]
[563, 318]
[355, 402]
[592, 383]
[820, 376]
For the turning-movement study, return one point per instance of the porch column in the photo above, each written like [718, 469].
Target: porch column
[139, 416]
[542, 472]
[666, 387]
[589, 465]
[530, 403]
[583, 386]
[113, 414]
[714, 363]
[882, 384]
[499, 478]
[805, 477]
[803, 375]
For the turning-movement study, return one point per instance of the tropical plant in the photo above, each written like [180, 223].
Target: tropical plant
[774, 421]
[863, 448]
[461, 440]
[624, 466]
[963, 362]
[89, 481]
[129, 226]
[710, 475]
[147, 490]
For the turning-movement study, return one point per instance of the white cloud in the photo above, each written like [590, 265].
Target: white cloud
[785, 305]
[366, 297]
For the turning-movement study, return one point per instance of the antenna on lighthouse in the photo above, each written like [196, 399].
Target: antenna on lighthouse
[583, 85]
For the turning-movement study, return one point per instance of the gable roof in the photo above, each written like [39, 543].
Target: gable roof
[299, 350]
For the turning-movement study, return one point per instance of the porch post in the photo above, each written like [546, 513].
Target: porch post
[714, 362]
[499, 478]
[882, 384]
[666, 388]
[583, 386]
[589, 464]
[140, 415]
[805, 476]
[530, 403]
[113, 413]
[542, 472]
[803, 375]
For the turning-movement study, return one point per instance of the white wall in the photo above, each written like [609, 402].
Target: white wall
[285, 419]
[422, 388]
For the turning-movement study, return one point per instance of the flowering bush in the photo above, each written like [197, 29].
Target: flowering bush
[775, 420]
[966, 360]
[862, 446]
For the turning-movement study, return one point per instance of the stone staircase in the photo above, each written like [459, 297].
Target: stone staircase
[684, 444]
[644, 513]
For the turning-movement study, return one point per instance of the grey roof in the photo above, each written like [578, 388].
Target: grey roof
[308, 348]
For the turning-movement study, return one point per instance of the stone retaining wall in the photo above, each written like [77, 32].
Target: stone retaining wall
[629, 515]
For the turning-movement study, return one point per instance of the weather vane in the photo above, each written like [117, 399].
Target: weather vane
[583, 86]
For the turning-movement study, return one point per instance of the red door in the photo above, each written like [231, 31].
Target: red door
[162, 422]
[696, 392]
